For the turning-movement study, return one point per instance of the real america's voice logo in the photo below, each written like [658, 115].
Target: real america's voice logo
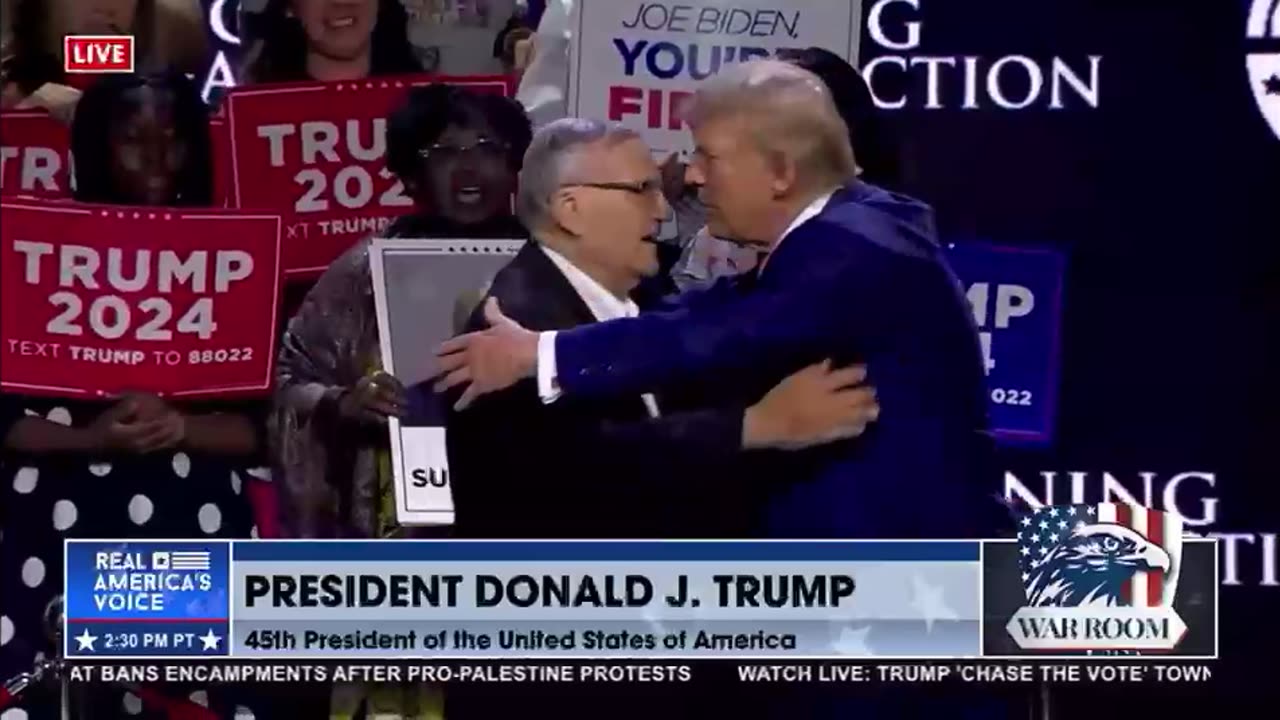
[1099, 578]
[1263, 59]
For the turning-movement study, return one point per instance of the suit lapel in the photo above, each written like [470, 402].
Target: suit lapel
[558, 305]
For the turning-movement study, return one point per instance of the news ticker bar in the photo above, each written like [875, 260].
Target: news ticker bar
[476, 600]
[1002, 673]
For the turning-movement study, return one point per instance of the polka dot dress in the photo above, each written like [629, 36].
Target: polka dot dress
[168, 494]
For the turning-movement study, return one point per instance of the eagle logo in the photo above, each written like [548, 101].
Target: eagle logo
[1106, 555]
[1091, 567]
[1098, 578]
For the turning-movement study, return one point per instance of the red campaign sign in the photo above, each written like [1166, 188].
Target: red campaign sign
[313, 152]
[98, 299]
[35, 155]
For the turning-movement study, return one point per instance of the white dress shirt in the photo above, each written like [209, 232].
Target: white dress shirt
[548, 388]
[603, 304]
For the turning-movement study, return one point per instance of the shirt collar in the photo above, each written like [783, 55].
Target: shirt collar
[805, 215]
[603, 304]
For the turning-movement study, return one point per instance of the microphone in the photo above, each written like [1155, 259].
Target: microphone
[54, 620]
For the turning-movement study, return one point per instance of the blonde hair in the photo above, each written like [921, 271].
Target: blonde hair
[789, 111]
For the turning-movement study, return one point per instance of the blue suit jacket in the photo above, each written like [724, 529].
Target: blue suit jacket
[864, 281]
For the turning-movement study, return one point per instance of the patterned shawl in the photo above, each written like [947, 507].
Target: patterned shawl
[334, 479]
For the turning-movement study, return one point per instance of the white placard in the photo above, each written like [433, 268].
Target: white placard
[630, 60]
[417, 285]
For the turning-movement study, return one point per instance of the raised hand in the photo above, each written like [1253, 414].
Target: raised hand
[488, 360]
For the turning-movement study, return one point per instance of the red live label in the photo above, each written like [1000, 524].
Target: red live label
[98, 53]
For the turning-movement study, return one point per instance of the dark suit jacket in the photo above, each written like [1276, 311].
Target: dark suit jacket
[865, 281]
[598, 468]
[583, 468]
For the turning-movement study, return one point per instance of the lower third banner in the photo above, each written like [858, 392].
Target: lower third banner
[571, 599]
[148, 599]
[101, 300]
[1108, 581]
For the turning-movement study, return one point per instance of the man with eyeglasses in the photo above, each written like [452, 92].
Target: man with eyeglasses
[853, 273]
[639, 466]
[591, 197]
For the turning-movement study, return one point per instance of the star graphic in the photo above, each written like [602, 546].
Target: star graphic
[1272, 85]
[209, 640]
[929, 601]
[853, 642]
[1026, 520]
[85, 640]
[652, 617]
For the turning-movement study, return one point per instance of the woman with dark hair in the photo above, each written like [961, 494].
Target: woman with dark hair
[327, 40]
[138, 466]
[324, 41]
[458, 154]
[168, 35]
[123, 155]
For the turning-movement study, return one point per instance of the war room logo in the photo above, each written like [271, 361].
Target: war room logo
[968, 82]
[1263, 60]
[1098, 577]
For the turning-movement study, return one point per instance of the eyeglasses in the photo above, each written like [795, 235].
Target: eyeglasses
[484, 148]
[650, 188]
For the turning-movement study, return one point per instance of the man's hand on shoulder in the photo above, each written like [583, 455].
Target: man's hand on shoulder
[488, 360]
[813, 406]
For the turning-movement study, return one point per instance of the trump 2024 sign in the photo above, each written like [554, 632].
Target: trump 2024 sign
[98, 300]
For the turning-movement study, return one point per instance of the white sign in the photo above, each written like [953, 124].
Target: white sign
[417, 287]
[634, 61]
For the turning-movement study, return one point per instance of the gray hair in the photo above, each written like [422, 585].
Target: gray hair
[790, 112]
[547, 162]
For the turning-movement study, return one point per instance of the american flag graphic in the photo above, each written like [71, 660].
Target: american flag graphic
[1149, 589]
[1067, 555]
[189, 560]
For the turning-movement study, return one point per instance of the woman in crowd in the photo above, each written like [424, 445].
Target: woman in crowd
[876, 148]
[508, 39]
[137, 466]
[458, 154]
[322, 40]
[168, 35]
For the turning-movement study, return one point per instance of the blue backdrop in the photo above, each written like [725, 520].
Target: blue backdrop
[1165, 200]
